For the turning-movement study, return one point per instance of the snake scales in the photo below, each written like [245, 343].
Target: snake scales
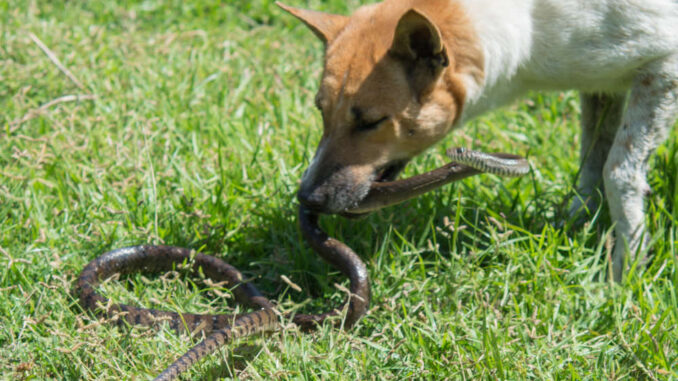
[221, 329]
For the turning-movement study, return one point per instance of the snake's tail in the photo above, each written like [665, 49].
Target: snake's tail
[256, 322]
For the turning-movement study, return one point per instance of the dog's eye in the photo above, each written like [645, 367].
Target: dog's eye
[367, 126]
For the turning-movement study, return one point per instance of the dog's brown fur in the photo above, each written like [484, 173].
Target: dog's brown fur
[388, 63]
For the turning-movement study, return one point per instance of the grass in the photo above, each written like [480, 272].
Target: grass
[201, 127]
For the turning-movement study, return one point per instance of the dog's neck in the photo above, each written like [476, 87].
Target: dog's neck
[504, 32]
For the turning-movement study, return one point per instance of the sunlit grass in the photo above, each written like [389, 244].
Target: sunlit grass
[201, 127]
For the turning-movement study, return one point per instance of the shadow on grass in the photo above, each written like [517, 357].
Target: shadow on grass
[268, 244]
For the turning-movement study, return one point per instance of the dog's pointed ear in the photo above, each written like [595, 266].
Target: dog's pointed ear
[417, 38]
[324, 25]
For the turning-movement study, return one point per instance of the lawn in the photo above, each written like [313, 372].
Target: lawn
[190, 123]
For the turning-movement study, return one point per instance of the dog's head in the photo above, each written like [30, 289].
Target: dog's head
[391, 87]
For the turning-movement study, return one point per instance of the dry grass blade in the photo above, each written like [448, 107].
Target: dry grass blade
[289, 282]
[15, 124]
[55, 60]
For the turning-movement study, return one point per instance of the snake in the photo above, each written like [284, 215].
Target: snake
[464, 163]
[220, 329]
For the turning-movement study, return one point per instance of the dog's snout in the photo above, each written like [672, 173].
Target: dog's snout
[330, 188]
[312, 200]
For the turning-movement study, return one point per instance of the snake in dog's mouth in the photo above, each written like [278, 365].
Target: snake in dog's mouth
[221, 329]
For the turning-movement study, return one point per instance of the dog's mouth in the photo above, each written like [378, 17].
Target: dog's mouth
[390, 171]
[341, 192]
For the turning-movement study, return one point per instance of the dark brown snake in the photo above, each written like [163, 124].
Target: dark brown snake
[221, 329]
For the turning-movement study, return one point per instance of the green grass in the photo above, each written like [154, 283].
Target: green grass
[202, 126]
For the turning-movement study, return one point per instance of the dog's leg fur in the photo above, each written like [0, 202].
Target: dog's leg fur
[650, 114]
[601, 116]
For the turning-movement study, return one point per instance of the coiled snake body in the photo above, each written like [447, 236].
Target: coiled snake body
[220, 329]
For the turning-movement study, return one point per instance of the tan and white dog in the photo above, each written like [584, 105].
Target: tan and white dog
[401, 74]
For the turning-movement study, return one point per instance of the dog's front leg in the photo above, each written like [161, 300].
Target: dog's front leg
[650, 114]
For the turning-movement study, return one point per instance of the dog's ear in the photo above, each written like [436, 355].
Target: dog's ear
[324, 25]
[417, 39]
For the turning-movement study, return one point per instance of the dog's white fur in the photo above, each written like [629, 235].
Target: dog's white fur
[592, 45]
[623, 57]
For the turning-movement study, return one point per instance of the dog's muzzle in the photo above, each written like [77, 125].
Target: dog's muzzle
[344, 187]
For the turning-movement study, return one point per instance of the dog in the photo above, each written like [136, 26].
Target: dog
[401, 74]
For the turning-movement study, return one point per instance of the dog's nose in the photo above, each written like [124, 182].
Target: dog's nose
[312, 200]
